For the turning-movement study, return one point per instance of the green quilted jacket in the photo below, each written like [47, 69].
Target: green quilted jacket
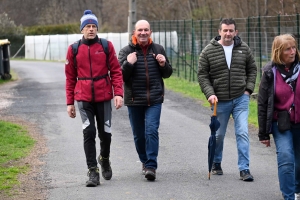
[215, 78]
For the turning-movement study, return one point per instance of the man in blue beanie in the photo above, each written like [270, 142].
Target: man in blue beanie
[93, 79]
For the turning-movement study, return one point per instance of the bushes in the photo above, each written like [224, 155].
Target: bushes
[53, 29]
[16, 34]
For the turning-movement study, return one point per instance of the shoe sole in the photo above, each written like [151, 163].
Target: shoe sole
[248, 179]
[92, 184]
[217, 173]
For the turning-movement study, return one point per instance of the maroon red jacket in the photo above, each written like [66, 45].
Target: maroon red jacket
[89, 81]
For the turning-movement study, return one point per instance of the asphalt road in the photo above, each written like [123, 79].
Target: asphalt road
[39, 97]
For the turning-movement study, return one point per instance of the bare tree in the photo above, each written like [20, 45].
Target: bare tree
[112, 15]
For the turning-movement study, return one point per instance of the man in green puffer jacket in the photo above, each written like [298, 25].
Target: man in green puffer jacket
[227, 75]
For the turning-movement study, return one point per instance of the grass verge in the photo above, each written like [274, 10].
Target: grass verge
[15, 143]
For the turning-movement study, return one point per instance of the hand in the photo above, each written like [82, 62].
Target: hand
[118, 102]
[246, 92]
[71, 111]
[131, 58]
[212, 99]
[266, 142]
[161, 59]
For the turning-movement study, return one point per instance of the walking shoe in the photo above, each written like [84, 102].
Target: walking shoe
[297, 196]
[150, 174]
[93, 175]
[105, 167]
[216, 169]
[143, 169]
[245, 175]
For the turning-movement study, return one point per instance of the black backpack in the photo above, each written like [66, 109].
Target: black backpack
[101, 41]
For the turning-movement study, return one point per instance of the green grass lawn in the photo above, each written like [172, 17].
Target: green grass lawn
[15, 143]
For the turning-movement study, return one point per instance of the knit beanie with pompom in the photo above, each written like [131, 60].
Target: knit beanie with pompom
[88, 18]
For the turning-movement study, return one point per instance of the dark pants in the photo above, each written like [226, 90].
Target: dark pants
[102, 112]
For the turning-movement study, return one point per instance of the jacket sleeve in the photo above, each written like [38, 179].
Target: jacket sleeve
[127, 67]
[251, 70]
[203, 75]
[167, 70]
[71, 77]
[115, 71]
[262, 106]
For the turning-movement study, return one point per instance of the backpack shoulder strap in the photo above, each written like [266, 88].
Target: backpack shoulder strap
[154, 49]
[101, 41]
[104, 44]
[75, 46]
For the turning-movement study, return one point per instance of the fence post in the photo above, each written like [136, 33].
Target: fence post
[211, 31]
[178, 54]
[259, 32]
[248, 30]
[171, 48]
[201, 39]
[193, 53]
[165, 35]
[159, 32]
[184, 45]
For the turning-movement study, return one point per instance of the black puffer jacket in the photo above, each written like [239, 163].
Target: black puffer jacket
[265, 102]
[143, 81]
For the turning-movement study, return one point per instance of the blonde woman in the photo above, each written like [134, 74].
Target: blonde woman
[278, 112]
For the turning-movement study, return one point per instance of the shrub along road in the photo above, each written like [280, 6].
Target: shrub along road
[38, 97]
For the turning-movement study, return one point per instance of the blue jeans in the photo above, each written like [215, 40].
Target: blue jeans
[288, 160]
[239, 108]
[144, 122]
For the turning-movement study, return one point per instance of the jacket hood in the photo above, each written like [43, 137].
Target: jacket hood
[237, 40]
[268, 66]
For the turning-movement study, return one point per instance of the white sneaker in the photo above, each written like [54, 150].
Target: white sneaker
[297, 196]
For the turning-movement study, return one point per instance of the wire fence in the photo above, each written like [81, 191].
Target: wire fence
[194, 35]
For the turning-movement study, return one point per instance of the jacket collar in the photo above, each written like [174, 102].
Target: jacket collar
[135, 42]
[90, 41]
[236, 39]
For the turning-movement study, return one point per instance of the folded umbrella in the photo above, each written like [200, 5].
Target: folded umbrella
[214, 126]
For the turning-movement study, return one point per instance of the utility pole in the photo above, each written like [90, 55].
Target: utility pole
[131, 17]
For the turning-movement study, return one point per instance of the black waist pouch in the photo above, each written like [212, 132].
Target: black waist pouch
[283, 122]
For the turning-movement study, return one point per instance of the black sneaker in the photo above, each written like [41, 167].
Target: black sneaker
[93, 175]
[105, 167]
[150, 174]
[216, 169]
[245, 175]
[143, 169]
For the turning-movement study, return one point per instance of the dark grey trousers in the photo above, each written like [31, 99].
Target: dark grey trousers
[102, 112]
